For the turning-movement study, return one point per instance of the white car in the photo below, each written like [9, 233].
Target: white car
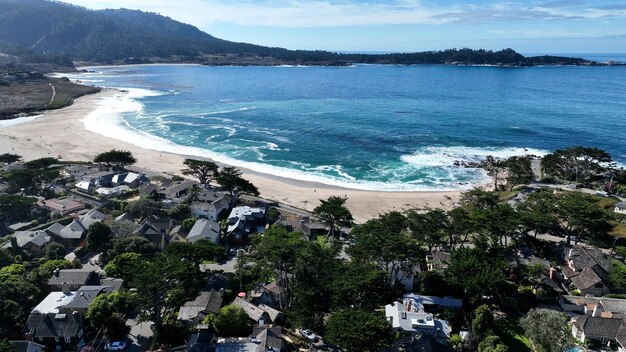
[308, 334]
[115, 346]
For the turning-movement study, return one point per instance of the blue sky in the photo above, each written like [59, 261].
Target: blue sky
[533, 26]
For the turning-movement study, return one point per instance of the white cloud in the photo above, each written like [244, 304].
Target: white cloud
[329, 13]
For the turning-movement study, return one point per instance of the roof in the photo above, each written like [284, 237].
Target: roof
[585, 279]
[621, 205]
[419, 301]
[213, 197]
[269, 338]
[71, 276]
[176, 187]
[599, 327]
[27, 346]
[204, 229]
[201, 342]
[85, 295]
[36, 238]
[54, 325]
[273, 313]
[205, 302]
[73, 231]
[124, 217]
[112, 190]
[65, 205]
[53, 302]
[91, 218]
[613, 305]
[581, 258]
[439, 260]
[55, 229]
[255, 313]
[116, 283]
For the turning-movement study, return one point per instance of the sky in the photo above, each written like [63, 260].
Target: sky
[530, 27]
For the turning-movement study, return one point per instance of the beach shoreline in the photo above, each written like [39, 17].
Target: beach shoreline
[63, 133]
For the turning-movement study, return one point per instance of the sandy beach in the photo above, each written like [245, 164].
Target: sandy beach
[61, 132]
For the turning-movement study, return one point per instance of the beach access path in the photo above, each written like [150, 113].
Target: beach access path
[62, 133]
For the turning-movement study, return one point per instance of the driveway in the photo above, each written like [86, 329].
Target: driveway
[227, 267]
[140, 336]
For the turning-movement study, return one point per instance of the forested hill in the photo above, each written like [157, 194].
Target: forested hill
[55, 30]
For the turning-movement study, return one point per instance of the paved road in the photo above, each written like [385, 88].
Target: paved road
[227, 267]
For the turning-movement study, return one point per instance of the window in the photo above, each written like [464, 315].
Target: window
[68, 339]
[56, 339]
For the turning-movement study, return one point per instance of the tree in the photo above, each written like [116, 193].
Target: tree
[482, 322]
[537, 213]
[361, 285]
[231, 181]
[383, 241]
[122, 265]
[133, 244]
[55, 250]
[98, 236]
[204, 170]
[477, 198]
[495, 167]
[8, 158]
[188, 223]
[15, 207]
[143, 208]
[115, 158]
[492, 344]
[180, 212]
[196, 252]
[519, 171]
[108, 311]
[547, 329]
[478, 271]
[575, 163]
[6, 346]
[357, 330]
[580, 216]
[333, 212]
[232, 321]
[429, 228]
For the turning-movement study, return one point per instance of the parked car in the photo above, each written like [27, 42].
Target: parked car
[309, 335]
[115, 346]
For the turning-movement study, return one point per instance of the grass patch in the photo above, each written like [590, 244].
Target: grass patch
[209, 262]
[619, 230]
[322, 241]
[512, 335]
[507, 195]
[607, 203]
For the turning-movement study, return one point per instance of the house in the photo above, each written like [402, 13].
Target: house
[178, 234]
[261, 314]
[71, 302]
[269, 338]
[244, 221]
[204, 229]
[620, 208]
[33, 241]
[609, 332]
[109, 192]
[410, 317]
[437, 261]
[207, 302]
[211, 205]
[432, 304]
[56, 331]
[129, 179]
[98, 179]
[267, 294]
[175, 189]
[202, 342]
[587, 269]
[72, 235]
[62, 207]
[27, 346]
[74, 278]
[594, 306]
[148, 190]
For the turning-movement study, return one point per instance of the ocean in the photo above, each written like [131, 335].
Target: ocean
[372, 127]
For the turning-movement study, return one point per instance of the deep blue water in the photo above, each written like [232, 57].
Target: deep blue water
[370, 127]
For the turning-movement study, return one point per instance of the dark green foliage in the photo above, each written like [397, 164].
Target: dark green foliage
[9, 158]
[188, 223]
[204, 170]
[98, 236]
[548, 329]
[358, 330]
[230, 180]
[17, 297]
[617, 276]
[429, 228]
[108, 310]
[334, 213]
[482, 322]
[478, 271]
[115, 158]
[579, 215]
[196, 252]
[492, 344]
[15, 207]
[55, 251]
[40, 164]
[5, 345]
[134, 244]
[144, 208]
[180, 212]
[575, 163]
[537, 213]
[122, 265]
[519, 171]
[232, 321]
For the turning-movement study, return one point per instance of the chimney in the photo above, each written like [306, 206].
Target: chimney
[65, 287]
[56, 272]
[551, 273]
[14, 243]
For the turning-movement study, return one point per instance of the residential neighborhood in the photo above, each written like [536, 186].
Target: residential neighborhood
[96, 257]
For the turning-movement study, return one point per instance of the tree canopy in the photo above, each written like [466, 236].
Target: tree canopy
[204, 170]
[9, 158]
[230, 180]
[575, 163]
[547, 329]
[333, 212]
[358, 330]
[115, 158]
[98, 236]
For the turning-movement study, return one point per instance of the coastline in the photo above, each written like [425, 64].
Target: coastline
[63, 132]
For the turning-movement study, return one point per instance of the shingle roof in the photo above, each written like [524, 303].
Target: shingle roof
[586, 279]
[91, 218]
[54, 325]
[73, 231]
[86, 294]
[621, 205]
[55, 229]
[269, 337]
[273, 313]
[255, 313]
[36, 238]
[27, 346]
[205, 302]
[588, 257]
[71, 276]
[600, 327]
[204, 229]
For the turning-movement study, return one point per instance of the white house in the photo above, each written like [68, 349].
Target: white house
[211, 205]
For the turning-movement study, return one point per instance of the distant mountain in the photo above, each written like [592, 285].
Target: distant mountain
[57, 30]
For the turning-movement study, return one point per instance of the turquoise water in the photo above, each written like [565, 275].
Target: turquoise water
[366, 127]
